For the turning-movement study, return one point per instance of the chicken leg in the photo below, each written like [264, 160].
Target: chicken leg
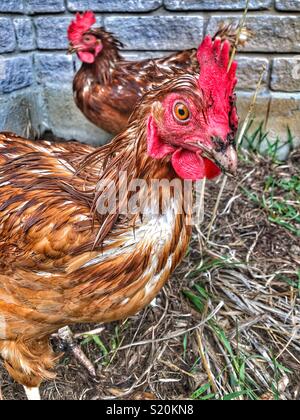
[67, 338]
[33, 394]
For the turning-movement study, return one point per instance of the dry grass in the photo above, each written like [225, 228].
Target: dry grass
[247, 277]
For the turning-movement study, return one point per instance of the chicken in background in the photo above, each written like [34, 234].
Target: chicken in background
[62, 261]
[107, 87]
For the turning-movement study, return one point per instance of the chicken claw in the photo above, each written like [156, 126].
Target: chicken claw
[66, 336]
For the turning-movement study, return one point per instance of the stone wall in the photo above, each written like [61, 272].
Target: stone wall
[36, 74]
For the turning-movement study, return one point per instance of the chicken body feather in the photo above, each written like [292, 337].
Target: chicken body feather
[108, 90]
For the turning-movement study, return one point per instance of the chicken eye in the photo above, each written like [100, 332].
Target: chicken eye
[88, 39]
[181, 112]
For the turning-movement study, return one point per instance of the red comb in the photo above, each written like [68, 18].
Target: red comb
[80, 25]
[216, 81]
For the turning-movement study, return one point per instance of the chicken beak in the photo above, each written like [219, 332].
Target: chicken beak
[226, 159]
[72, 49]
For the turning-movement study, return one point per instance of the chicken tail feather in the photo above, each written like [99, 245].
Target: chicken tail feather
[232, 33]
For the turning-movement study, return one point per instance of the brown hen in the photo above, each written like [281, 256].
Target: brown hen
[66, 257]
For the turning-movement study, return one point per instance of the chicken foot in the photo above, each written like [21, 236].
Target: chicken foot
[67, 338]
